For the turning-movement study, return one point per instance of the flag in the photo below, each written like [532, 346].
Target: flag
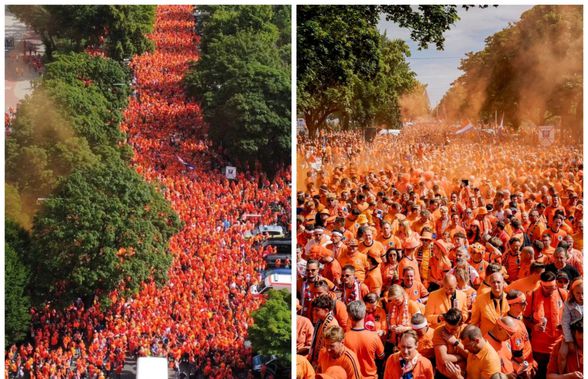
[186, 164]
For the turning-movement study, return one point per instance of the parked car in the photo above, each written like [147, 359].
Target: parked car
[274, 231]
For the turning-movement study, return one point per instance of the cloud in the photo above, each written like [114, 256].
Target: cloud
[438, 69]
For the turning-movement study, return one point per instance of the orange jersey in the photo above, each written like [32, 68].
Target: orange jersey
[409, 262]
[368, 346]
[423, 369]
[348, 361]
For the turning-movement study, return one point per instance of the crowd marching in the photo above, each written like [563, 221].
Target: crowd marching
[431, 255]
[202, 314]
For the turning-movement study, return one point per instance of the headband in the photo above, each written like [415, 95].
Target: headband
[420, 326]
[505, 327]
[576, 283]
[337, 234]
[519, 299]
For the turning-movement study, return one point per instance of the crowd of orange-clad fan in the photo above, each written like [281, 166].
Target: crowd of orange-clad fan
[430, 255]
[202, 314]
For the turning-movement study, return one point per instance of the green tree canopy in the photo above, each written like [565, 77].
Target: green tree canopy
[270, 333]
[119, 29]
[530, 71]
[242, 81]
[103, 227]
[109, 76]
[343, 61]
[17, 303]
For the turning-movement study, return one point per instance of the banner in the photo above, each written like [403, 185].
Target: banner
[546, 134]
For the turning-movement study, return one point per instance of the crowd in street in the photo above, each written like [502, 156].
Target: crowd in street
[202, 314]
[433, 255]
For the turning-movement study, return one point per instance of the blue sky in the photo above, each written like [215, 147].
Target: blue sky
[438, 69]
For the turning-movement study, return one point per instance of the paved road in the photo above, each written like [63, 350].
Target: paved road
[17, 87]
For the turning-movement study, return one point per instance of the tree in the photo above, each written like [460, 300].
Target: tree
[103, 227]
[339, 52]
[376, 102]
[530, 71]
[109, 76]
[120, 29]
[16, 280]
[270, 333]
[242, 81]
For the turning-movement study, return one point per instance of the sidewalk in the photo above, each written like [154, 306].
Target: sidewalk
[17, 73]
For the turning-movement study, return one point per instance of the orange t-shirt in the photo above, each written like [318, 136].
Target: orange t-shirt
[348, 361]
[304, 332]
[304, 369]
[409, 262]
[368, 346]
[423, 369]
[425, 344]
[416, 292]
[556, 237]
[391, 241]
[358, 261]
[504, 352]
[521, 344]
[373, 280]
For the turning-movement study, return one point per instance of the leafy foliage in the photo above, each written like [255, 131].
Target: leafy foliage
[242, 81]
[119, 29]
[531, 71]
[103, 227]
[270, 333]
[16, 280]
[346, 69]
[110, 77]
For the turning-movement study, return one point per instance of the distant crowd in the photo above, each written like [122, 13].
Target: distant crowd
[202, 314]
[429, 255]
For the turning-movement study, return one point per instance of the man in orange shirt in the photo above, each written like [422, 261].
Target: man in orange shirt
[304, 332]
[441, 300]
[499, 338]
[371, 247]
[408, 361]
[375, 318]
[520, 343]
[415, 291]
[387, 239]
[354, 258]
[543, 316]
[409, 259]
[512, 259]
[536, 228]
[555, 232]
[335, 353]
[307, 288]
[323, 318]
[425, 347]
[490, 306]
[446, 343]
[483, 361]
[529, 283]
[351, 288]
[366, 344]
